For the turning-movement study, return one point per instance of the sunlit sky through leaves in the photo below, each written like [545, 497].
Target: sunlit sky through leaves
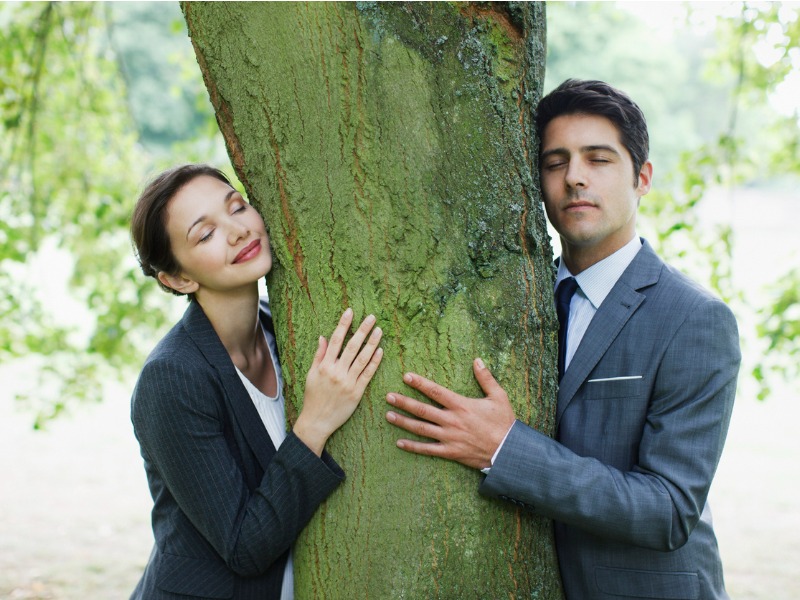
[666, 17]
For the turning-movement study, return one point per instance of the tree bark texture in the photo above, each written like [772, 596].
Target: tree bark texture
[391, 150]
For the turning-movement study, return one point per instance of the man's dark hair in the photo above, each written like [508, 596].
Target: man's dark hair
[149, 220]
[591, 97]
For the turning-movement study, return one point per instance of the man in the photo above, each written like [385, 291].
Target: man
[650, 362]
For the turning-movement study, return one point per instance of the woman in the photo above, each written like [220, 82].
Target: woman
[231, 489]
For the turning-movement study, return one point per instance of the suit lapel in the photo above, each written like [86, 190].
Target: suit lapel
[621, 303]
[239, 402]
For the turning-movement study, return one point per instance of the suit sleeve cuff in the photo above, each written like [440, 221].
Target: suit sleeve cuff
[486, 470]
[328, 469]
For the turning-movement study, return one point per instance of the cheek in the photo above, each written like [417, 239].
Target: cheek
[631, 206]
[257, 223]
[551, 189]
[548, 207]
[267, 240]
[210, 254]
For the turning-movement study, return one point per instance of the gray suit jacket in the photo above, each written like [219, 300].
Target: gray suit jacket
[643, 411]
[227, 506]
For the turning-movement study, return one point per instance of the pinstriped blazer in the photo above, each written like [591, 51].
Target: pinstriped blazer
[643, 411]
[227, 505]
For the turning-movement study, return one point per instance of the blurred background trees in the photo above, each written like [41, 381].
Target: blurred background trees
[97, 97]
[93, 98]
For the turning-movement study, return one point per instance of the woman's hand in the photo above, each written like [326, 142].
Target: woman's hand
[335, 384]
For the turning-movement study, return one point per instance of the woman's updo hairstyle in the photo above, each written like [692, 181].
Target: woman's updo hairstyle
[149, 219]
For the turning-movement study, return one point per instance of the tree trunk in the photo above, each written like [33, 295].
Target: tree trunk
[391, 150]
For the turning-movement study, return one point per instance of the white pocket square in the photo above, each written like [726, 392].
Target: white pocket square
[624, 378]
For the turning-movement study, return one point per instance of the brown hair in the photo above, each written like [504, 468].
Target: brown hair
[149, 220]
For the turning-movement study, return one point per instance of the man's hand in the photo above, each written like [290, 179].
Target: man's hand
[466, 430]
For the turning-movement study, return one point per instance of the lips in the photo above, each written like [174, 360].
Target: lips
[250, 251]
[579, 204]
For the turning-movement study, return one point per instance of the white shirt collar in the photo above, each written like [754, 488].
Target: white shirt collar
[596, 281]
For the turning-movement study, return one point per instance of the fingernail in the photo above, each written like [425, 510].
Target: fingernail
[401, 444]
[408, 378]
[321, 339]
[348, 312]
[391, 399]
[370, 318]
[376, 332]
[391, 417]
[480, 364]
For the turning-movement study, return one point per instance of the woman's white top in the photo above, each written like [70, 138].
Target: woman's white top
[273, 415]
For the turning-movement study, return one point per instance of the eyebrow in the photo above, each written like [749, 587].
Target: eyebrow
[583, 150]
[202, 218]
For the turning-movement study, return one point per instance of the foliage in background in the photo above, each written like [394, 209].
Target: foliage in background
[67, 157]
[762, 43]
[73, 304]
[165, 92]
[757, 50]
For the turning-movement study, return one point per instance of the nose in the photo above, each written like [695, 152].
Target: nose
[236, 232]
[576, 175]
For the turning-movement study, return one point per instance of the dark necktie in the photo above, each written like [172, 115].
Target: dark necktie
[564, 294]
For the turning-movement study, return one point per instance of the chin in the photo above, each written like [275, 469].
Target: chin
[580, 239]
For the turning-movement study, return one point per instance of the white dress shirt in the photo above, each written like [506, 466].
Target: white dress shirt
[273, 415]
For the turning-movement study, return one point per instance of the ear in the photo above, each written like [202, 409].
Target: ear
[645, 178]
[179, 283]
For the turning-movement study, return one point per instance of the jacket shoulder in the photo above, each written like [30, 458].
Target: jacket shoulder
[678, 289]
[175, 369]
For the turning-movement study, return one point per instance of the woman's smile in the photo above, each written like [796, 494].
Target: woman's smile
[252, 250]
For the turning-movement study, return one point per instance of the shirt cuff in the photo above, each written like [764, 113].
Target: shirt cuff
[486, 470]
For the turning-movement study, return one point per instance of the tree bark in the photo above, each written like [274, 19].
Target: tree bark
[391, 150]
